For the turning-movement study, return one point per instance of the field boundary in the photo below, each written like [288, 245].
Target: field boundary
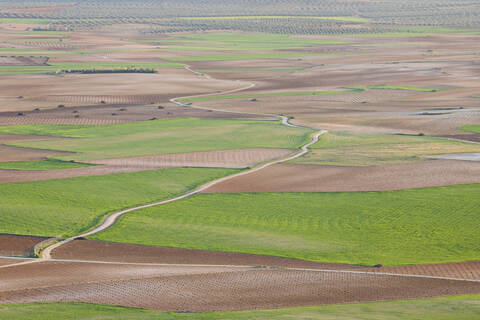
[46, 253]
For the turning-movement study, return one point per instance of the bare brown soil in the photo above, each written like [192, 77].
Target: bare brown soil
[38, 90]
[22, 61]
[209, 289]
[115, 114]
[313, 178]
[122, 252]
[14, 245]
[7, 261]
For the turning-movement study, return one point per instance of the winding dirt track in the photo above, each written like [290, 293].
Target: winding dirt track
[111, 219]
[194, 287]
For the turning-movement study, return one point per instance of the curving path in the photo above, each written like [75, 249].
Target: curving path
[46, 253]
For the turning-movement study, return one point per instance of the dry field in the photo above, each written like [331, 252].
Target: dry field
[13, 245]
[315, 178]
[212, 159]
[105, 114]
[38, 90]
[197, 289]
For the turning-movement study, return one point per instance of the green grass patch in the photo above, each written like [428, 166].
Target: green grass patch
[270, 94]
[25, 20]
[160, 137]
[416, 226]
[70, 206]
[393, 87]
[466, 307]
[50, 164]
[347, 149]
[472, 128]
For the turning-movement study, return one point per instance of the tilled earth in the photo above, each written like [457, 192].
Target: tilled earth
[200, 289]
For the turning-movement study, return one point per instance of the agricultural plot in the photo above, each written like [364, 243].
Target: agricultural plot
[69, 206]
[391, 227]
[161, 137]
[345, 149]
[446, 308]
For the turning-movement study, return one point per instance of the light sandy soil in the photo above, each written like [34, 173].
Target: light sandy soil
[9, 153]
[167, 84]
[13, 245]
[241, 158]
[114, 114]
[210, 289]
[217, 159]
[464, 270]
[313, 178]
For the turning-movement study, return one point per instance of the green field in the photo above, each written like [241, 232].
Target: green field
[472, 128]
[414, 226]
[161, 137]
[465, 307]
[50, 164]
[270, 94]
[347, 149]
[70, 206]
[25, 20]
[394, 87]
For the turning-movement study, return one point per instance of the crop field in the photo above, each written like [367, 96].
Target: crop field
[153, 137]
[185, 159]
[391, 228]
[461, 307]
[41, 165]
[345, 149]
[68, 206]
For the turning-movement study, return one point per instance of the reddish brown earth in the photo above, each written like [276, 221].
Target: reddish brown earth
[464, 270]
[122, 252]
[13, 245]
[177, 288]
[314, 178]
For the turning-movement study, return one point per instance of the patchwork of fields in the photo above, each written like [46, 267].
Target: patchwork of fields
[241, 159]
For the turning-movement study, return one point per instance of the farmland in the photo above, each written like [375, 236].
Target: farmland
[462, 307]
[390, 228]
[185, 159]
[68, 206]
[153, 137]
[366, 150]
